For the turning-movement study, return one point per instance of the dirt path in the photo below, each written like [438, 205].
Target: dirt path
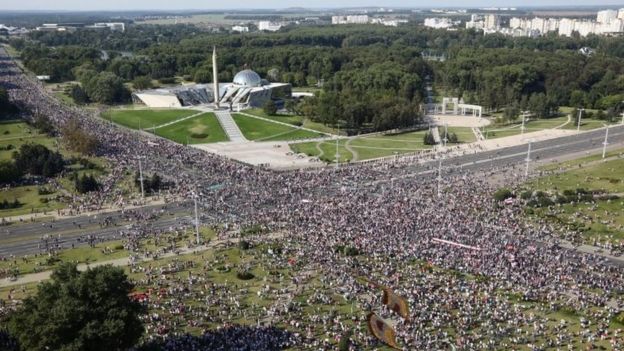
[353, 152]
[320, 149]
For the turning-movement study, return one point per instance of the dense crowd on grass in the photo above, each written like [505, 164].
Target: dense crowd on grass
[469, 297]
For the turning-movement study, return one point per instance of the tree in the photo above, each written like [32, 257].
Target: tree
[270, 108]
[78, 94]
[202, 75]
[79, 311]
[78, 139]
[106, 88]
[9, 172]
[142, 83]
[86, 184]
[428, 139]
[6, 107]
[36, 159]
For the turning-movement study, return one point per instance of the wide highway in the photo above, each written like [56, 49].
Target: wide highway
[24, 238]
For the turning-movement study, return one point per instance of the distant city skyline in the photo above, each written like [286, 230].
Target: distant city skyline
[81, 5]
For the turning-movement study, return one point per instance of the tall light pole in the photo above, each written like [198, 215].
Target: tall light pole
[578, 127]
[606, 142]
[196, 218]
[337, 153]
[439, 177]
[528, 160]
[141, 178]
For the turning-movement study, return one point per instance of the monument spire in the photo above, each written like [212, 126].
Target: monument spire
[215, 77]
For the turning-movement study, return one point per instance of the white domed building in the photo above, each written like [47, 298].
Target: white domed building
[246, 90]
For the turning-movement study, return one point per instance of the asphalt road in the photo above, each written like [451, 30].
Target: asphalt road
[24, 238]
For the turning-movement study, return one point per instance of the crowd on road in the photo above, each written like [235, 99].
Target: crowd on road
[489, 280]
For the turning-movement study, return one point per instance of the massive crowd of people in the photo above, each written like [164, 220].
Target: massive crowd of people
[494, 292]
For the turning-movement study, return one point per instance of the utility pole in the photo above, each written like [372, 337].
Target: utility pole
[196, 218]
[523, 121]
[445, 133]
[578, 127]
[439, 177]
[337, 153]
[528, 160]
[141, 178]
[606, 142]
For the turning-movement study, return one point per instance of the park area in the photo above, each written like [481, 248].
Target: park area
[237, 280]
[564, 121]
[41, 194]
[584, 194]
[183, 126]
[257, 129]
[374, 146]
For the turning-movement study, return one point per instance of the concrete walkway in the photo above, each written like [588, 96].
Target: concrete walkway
[178, 120]
[230, 127]
[436, 135]
[284, 124]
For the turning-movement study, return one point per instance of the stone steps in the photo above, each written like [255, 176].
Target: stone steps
[229, 126]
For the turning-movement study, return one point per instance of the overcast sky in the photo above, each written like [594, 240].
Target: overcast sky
[241, 4]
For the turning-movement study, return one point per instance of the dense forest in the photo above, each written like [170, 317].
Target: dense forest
[372, 77]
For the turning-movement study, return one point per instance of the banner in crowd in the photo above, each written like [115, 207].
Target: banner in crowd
[396, 303]
[382, 331]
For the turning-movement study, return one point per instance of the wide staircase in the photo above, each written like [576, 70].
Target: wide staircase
[229, 126]
[436, 135]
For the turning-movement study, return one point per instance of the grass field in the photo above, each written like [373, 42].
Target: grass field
[294, 120]
[259, 130]
[201, 129]
[14, 134]
[600, 219]
[146, 119]
[500, 131]
[244, 302]
[375, 146]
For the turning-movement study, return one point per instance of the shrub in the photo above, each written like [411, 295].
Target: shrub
[503, 194]
[245, 275]
[244, 245]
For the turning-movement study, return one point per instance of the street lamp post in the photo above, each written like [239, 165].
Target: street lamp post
[196, 218]
[141, 178]
[578, 127]
[528, 160]
[606, 142]
[439, 177]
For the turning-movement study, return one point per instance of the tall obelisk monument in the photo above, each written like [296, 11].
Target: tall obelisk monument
[215, 77]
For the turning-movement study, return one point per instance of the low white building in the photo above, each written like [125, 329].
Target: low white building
[240, 29]
[439, 23]
[270, 26]
[351, 19]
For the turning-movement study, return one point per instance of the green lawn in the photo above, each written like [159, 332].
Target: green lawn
[294, 120]
[376, 146]
[607, 176]
[257, 129]
[30, 199]
[601, 218]
[284, 118]
[146, 119]
[14, 134]
[201, 129]
[500, 131]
